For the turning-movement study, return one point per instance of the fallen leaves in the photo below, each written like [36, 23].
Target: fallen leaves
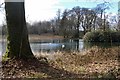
[96, 62]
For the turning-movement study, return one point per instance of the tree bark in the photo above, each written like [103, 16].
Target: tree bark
[77, 27]
[17, 41]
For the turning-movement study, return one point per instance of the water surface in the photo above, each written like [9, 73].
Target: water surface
[61, 45]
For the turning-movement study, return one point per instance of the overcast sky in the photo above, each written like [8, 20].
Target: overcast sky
[39, 10]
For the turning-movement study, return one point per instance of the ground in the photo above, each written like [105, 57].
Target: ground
[93, 63]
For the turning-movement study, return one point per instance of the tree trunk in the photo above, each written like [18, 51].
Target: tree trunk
[77, 27]
[104, 26]
[17, 41]
[94, 22]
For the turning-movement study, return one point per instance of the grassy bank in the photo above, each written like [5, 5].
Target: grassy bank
[37, 37]
[93, 63]
[44, 37]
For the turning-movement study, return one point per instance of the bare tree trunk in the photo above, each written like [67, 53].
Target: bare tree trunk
[101, 19]
[94, 22]
[77, 27]
[104, 26]
[18, 43]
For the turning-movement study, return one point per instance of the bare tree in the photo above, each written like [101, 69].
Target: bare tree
[76, 10]
[100, 9]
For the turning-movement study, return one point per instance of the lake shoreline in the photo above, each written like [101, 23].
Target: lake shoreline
[33, 38]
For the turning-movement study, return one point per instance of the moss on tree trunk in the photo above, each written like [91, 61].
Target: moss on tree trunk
[17, 41]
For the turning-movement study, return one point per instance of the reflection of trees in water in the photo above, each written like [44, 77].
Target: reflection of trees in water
[76, 44]
[55, 45]
[79, 45]
[71, 45]
[2, 47]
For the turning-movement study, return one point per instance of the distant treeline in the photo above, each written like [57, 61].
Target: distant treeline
[75, 22]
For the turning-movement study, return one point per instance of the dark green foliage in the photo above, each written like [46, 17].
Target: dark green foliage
[102, 36]
[116, 36]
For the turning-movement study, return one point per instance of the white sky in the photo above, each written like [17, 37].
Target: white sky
[39, 10]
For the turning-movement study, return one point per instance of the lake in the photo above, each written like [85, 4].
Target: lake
[53, 45]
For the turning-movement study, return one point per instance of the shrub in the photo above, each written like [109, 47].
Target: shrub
[115, 36]
[102, 36]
